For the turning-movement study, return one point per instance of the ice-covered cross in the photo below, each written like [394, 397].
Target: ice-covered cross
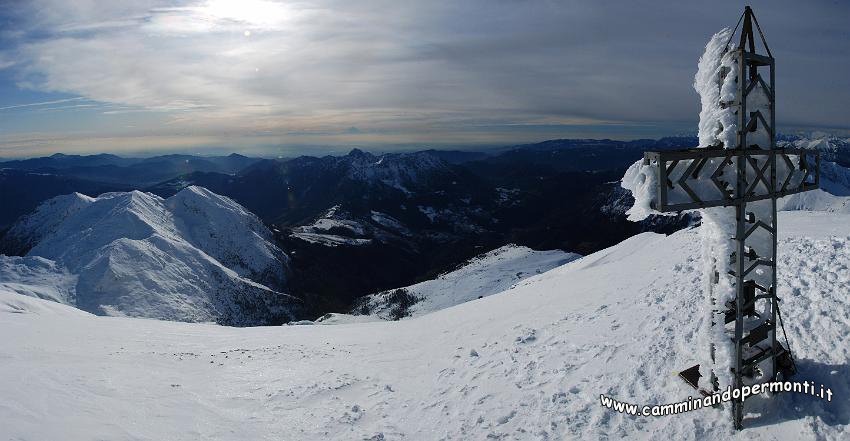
[733, 178]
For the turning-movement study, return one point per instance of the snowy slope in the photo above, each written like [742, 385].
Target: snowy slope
[835, 179]
[195, 256]
[12, 302]
[37, 277]
[833, 194]
[529, 363]
[817, 200]
[482, 276]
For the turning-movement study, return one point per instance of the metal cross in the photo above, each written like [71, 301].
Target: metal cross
[749, 177]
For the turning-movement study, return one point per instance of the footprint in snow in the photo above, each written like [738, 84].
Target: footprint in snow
[528, 336]
[506, 418]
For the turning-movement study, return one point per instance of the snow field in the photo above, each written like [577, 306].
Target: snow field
[528, 363]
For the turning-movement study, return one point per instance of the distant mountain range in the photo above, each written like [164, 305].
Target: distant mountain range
[26, 183]
[134, 171]
[363, 223]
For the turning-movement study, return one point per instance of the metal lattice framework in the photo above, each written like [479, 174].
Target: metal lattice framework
[749, 176]
[682, 169]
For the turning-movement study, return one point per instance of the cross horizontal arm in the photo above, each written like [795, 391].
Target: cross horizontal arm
[697, 153]
[677, 193]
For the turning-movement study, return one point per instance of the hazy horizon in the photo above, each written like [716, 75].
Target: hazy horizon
[292, 151]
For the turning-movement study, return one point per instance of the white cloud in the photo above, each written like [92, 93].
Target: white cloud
[380, 65]
[43, 103]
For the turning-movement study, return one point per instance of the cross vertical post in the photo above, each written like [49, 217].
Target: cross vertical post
[749, 176]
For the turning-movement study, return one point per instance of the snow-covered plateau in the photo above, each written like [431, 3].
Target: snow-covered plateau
[527, 363]
[195, 256]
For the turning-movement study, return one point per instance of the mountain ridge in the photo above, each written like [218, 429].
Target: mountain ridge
[195, 256]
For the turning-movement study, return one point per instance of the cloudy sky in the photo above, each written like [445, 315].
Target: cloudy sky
[284, 77]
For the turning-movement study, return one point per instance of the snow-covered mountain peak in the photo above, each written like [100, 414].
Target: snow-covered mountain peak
[230, 233]
[132, 215]
[30, 229]
[195, 256]
[200, 210]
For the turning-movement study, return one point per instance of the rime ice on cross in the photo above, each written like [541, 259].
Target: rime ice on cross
[734, 179]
